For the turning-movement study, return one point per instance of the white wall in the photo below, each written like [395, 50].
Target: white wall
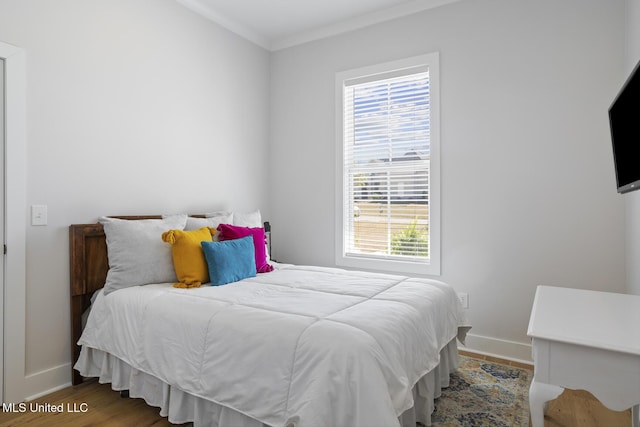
[140, 106]
[528, 193]
[133, 107]
[632, 200]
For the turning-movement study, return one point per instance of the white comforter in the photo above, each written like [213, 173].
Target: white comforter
[300, 346]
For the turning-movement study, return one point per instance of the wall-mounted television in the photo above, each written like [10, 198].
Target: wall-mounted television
[624, 121]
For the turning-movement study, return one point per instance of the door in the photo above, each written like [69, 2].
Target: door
[13, 224]
[2, 115]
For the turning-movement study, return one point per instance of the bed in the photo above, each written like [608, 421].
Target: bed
[298, 346]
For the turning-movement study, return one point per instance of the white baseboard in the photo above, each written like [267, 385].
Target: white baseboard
[510, 350]
[48, 381]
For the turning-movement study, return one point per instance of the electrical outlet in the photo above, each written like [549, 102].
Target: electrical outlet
[464, 299]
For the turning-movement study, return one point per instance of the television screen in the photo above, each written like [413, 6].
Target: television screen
[624, 121]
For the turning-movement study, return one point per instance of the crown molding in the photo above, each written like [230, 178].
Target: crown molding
[204, 8]
[358, 22]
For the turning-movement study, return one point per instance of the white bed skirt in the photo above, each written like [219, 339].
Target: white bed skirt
[181, 407]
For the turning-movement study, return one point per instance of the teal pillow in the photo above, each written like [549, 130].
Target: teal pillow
[231, 260]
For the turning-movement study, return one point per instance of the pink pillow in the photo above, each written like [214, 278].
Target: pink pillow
[231, 232]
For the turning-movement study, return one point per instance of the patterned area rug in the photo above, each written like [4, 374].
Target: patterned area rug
[484, 393]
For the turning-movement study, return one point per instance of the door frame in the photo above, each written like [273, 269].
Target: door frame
[13, 284]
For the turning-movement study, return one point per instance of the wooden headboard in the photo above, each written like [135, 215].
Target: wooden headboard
[89, 266]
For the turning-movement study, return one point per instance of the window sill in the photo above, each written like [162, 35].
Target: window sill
[393, 266]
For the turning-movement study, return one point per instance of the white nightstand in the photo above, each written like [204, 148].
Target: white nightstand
[585, 340]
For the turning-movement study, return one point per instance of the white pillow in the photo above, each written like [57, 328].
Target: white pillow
[249, 219]
[222, 214]
[137, 254]
[253, 220]
[211, 220]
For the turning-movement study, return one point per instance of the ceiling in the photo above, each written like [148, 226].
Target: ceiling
[278, 24]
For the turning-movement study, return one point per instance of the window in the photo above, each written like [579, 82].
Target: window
[388, 167]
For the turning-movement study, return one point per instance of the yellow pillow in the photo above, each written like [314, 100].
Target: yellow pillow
[188, 257]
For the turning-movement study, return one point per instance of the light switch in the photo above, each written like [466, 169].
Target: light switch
[39, 215]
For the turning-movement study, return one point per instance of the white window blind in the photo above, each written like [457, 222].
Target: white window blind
[386, 166]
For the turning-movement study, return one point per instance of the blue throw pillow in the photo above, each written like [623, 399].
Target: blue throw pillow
[231, 260]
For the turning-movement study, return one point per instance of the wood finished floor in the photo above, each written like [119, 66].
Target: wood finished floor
[573, 408]
[105, 407]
